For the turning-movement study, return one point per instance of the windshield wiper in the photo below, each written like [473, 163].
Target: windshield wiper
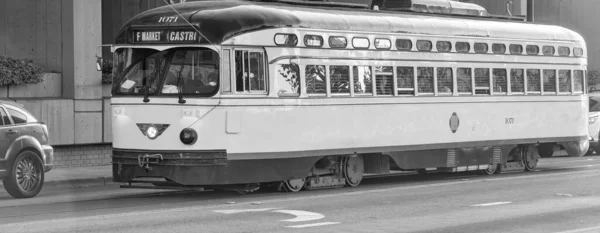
[180, 89]
[146, 90]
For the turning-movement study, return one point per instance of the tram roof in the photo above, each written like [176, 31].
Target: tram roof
[221, 20]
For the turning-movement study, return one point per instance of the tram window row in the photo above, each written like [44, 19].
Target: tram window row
[316, 41]
[423, 81]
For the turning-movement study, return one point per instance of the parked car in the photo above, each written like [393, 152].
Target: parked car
[594, 122]
[25, 153]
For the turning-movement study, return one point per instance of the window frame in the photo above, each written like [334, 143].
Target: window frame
[265, 70]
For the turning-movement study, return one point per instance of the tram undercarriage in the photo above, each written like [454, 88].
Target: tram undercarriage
[310, 173]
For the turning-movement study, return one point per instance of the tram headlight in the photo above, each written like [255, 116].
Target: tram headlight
[152, 132]
[188, 136]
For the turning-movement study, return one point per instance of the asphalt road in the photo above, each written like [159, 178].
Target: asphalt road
[563, 195]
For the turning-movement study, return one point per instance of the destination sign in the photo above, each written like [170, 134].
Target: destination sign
[165, 36]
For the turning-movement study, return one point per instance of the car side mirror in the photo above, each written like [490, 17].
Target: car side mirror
[99, 62]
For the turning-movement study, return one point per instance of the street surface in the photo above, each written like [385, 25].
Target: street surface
[563, 195]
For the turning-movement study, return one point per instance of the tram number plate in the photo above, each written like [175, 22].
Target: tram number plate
[165, 36]
[509, 121]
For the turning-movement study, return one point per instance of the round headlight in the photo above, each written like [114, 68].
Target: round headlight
[188, 136]
[152, 132]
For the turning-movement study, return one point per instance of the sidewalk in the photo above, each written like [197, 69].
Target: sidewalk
[79, 176]
[76, 177]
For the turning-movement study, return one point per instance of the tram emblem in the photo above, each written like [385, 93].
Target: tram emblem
[454, 122]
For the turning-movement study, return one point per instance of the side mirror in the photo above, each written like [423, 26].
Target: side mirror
[99, 60]
[99, 64]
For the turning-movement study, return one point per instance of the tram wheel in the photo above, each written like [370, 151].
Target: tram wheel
[531, 158]
[293, 186]
[353, 169]
[492, 169]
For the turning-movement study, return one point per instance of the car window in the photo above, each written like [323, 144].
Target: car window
[4, 118]
[17, 116]
[594, 106]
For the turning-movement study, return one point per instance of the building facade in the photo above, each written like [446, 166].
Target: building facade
[62, 36]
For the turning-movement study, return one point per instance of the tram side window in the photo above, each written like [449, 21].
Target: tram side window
[533, 81]
[578, 81]
[499, 81]
[517, 81]
[499, 48]
[363, 80]
[339, 79]
[288, 81]
[444, 80]
[249, 71]
[406, 80]
[463, 79]
[315, 79]
[425, 80]
[564, 81]
[549, 80]
[482, 81]
[384, 80]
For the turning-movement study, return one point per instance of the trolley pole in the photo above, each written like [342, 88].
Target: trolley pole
[530, 6]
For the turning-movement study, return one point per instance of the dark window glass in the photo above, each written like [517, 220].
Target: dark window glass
[578, 81]
[548, 50]
[4, 118]
[403, 44]
[338, 42]
[499, 81]
[444, 80]
[406, 85]
[517, 80]
[499, 48]
[481, 48]
[564, 80]
[549, 80]
[315, 79]
[533, 49]
[17, 116]
[564, 51]
[250, 73]
[516, 49]
[424, 45]
[443, 46]
[384, 80]
[425, 79]
[463, 76]
[339, 79]
[533, 81]
[578, 52]
[482, 81]
[463, 47]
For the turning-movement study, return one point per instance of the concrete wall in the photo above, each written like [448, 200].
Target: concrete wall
[31, 29]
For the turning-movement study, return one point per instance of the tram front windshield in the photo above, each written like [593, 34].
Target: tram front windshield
[187, 71]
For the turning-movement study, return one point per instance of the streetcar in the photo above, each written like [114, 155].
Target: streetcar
[319, 94]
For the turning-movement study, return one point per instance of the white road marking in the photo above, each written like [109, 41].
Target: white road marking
[242, 211]
[284, 200]
[301, 216]
[314, 225]
[492, 204]
[583, 230]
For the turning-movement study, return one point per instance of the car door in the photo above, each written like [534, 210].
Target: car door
[8, 132]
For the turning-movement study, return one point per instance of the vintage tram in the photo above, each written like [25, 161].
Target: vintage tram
[315, 94]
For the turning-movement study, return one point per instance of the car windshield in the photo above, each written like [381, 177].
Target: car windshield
[190, 71]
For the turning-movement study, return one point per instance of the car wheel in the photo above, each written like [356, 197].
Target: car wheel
[26, 176]
[546, 150]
